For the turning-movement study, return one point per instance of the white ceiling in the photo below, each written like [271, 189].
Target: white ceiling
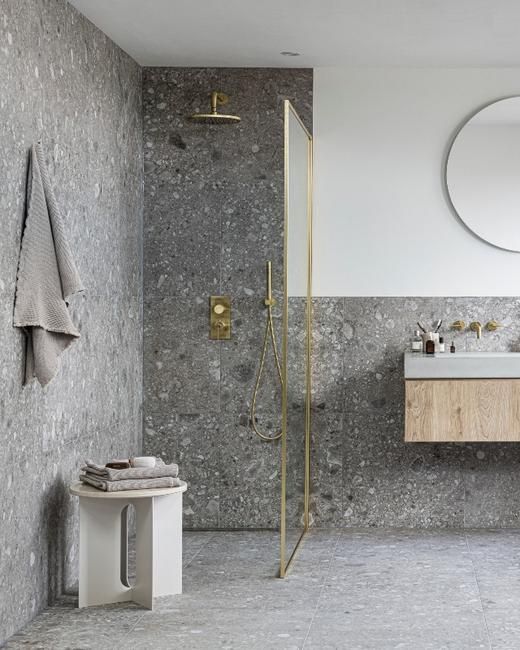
[325, 32]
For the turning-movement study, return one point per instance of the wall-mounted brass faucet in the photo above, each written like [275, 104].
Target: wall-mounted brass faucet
[475, 326]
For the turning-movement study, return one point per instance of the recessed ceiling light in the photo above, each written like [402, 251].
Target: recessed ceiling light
[290, 53]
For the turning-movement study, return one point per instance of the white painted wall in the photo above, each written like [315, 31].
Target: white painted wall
[382, 223]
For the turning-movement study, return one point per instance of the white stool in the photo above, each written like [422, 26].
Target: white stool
[103, 544]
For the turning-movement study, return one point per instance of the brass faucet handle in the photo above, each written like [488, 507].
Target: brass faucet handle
[493, 325]
[458, 325]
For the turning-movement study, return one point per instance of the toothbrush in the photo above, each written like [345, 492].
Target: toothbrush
[438, 326]
[421, 327]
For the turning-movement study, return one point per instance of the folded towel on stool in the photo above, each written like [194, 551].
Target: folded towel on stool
[108, 474]
[129, 484]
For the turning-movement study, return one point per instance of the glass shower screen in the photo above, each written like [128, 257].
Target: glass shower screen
[296, 335]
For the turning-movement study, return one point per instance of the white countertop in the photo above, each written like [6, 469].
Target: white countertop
[462, 365]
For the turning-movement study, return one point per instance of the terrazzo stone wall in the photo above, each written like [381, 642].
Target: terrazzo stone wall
[213, 206]
[213, 216]
[66, 82]
[363, 472]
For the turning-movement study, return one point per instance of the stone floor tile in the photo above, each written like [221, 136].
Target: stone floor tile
[503, 626]
[64, 627]
[403, 630]
[366, 589]
[221, 628]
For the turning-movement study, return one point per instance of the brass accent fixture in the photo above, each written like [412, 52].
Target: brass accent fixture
[217, 99]
[220, 318]
[475, 326]
[493, 325]
[458, 325]
[269, 302]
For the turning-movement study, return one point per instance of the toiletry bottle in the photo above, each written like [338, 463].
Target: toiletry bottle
[452, 347]
[430, 347]
[442, 347]
[417, 344]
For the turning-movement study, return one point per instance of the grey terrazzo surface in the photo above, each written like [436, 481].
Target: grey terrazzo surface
[213, 203]
[66, 82]
[364, 474]
[213, 216]
[353, 588]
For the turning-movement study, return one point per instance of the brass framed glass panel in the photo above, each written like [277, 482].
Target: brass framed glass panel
[296, 343]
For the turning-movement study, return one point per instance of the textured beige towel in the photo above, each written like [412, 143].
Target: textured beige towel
[134, 484]
[47, 276]
[109, 474]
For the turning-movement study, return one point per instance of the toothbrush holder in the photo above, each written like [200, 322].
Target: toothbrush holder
[430, 336]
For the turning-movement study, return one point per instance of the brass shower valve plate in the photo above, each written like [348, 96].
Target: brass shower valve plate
[220, 318]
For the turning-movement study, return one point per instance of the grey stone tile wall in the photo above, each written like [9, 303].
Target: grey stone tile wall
[66, 82]
[363, 472]
[213, 216]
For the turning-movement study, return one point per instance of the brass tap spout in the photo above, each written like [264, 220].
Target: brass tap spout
[475, 326]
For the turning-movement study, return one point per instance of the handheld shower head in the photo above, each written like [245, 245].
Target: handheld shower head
[217, 99]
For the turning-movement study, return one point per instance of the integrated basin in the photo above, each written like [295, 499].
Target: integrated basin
[462, 365]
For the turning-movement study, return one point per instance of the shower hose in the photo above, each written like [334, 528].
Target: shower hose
[268, 336]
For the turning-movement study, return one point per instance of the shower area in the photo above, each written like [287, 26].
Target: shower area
[220, 201]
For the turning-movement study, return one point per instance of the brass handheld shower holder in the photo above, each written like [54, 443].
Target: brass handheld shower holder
[269, 302]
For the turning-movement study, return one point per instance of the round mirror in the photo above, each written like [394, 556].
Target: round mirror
[483, 173]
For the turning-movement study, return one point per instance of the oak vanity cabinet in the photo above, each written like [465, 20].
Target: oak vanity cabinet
[462, 409]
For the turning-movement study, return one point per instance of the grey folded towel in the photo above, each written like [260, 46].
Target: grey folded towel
[129, 484]
[47, 276]
[107, 473]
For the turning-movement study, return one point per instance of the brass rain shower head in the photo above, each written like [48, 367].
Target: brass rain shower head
[217, 99]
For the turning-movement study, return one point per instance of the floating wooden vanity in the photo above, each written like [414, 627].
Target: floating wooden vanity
[470, 403]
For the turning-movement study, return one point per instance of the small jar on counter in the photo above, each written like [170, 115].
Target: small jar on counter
[417, 343]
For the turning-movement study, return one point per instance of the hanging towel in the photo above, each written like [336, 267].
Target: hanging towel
[47, 276]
